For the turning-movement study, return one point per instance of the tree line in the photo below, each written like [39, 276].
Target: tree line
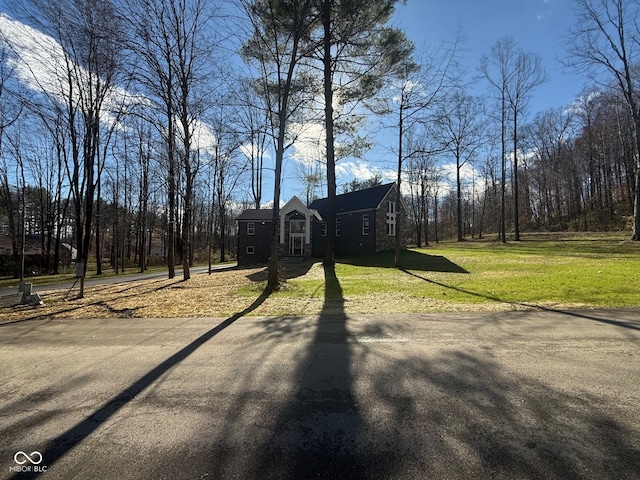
[140, 128]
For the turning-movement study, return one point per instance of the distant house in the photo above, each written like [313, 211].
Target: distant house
[35, 259]
[366, 222]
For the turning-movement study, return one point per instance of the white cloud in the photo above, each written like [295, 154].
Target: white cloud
[248, 149]
[468, 175]
[40, 63]
[269, 204]
[203, 137]
[309, 147]
[406, 88]
[361, 170]
[36, 55]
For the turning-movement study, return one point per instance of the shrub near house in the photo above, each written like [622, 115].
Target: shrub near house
[366, 222]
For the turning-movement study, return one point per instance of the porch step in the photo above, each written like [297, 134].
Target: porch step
[292, 259]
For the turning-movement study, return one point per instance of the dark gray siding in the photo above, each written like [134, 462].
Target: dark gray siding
[260, 241]
[318, 242]
[352, 240]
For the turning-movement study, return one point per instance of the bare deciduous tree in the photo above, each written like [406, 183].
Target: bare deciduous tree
[84, 77]
[417, 90]
[460, 121]
[512, 73]
[175, 42]
[528, 73]
[605, 39]
[254, 120]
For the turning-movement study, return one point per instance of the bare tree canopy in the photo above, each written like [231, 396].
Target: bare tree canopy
[605, 44]
[512, 75]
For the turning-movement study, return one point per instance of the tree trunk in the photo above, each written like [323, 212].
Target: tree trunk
[398, 227]
[459, 199]
[98, 225]
[328, 112]
[503, 182]
[186, 222]
[516, 192]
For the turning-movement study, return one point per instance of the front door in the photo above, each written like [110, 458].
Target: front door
[296, 236]
[296, 245]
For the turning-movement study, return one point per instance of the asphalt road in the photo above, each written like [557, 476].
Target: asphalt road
[505, 395]
[38, 284]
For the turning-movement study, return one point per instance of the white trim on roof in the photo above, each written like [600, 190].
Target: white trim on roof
[293, 205]
[393, 189]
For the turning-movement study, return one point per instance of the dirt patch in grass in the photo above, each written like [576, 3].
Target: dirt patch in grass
[224, 293]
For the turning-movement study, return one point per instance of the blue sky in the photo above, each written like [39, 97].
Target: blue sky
[539, 26]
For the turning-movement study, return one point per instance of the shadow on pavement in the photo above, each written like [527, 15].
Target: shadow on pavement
[319, 432]
[460, 414]
[66, 441]
[359, 410]
[315, 435]
[362, 410]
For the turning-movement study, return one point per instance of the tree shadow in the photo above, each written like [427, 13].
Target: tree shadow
[287, 270]
[321, 431]
[409, 259]
[362, 410]
[66, 441]
[316, 432]
[461, 414]
[589, 316]
[133, 291]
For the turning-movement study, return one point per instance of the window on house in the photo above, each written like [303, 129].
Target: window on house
[251, 228]
[250, 250]
[338, 227]
[323, 229]
[297, 226]
[365, 224]
[391, 219]
[391, 229]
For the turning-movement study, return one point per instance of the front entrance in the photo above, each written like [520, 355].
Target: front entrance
[297, 236]
[296, 246]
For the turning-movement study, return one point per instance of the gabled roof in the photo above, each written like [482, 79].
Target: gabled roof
[258, 215]
[367, 199]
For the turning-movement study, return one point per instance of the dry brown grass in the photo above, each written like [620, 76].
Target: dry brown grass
[203, 295]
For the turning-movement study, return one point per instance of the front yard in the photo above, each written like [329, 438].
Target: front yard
[560, 273]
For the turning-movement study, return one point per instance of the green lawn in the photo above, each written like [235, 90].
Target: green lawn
[578, 270]
[548, 271]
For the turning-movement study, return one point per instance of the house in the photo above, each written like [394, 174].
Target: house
[36, 259]
[366, 222]
[254, 236]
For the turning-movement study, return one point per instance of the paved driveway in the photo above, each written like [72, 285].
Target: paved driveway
[38, 284]
[506, 395]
